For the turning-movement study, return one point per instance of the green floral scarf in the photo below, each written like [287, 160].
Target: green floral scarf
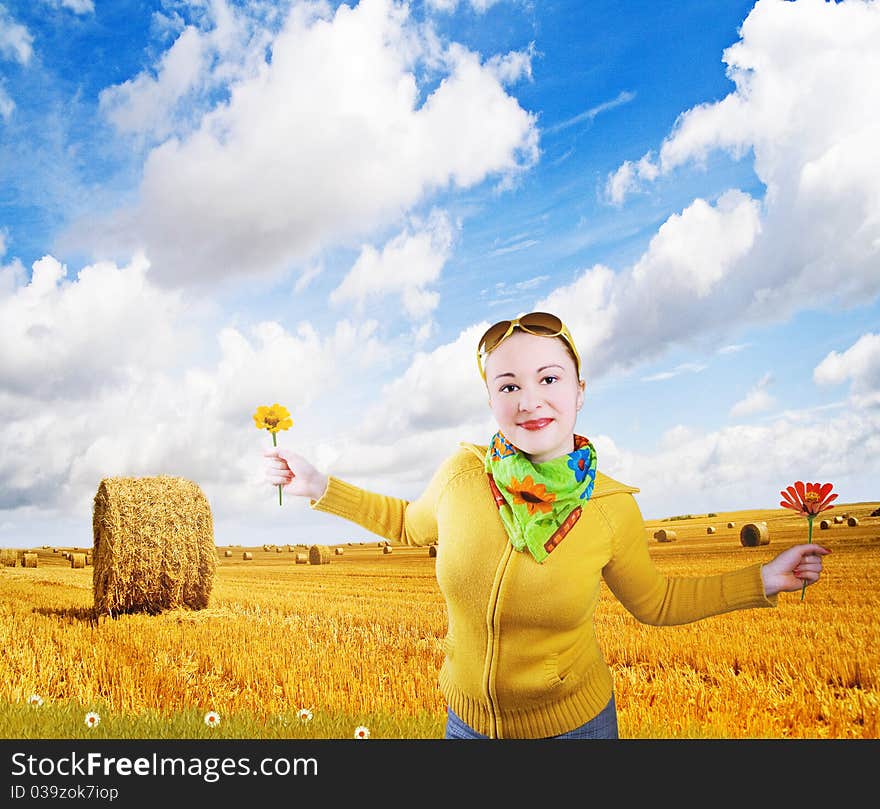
[539, 502]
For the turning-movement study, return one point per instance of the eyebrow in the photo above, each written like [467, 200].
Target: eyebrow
[542, 368]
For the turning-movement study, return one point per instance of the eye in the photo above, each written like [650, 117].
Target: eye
[506, 388]
[552, 378]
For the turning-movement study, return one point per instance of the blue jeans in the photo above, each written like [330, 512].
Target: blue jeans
[601, 726]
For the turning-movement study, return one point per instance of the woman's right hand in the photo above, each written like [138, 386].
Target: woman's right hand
[294, 473]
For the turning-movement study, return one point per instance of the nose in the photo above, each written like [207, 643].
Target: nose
[529, 400]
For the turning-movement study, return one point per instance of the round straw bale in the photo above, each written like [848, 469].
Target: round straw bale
[386, 549]
[710, 529]
[153, 545]
[247, 555]
[227, 553]
[301, 558]
[852, 522]
[432, 550]
[838, 519]
[731, 524]
[339, 551]
[29, 560]
[753, 534]
[825, 525]
[89, 559]
[664, 535]
[77, 560]
[319, 555]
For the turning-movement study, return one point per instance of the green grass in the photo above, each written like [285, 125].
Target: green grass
[66, 720]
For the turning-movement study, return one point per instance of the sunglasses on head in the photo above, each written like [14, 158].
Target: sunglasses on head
[542, 324]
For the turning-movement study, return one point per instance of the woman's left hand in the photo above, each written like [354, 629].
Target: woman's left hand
[789, 570]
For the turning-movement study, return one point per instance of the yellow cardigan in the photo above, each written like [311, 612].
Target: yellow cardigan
[521, 656]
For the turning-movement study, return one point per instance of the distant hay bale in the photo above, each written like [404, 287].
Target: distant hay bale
[153, 545]
[291, 549]
[838, 519]
[731, 525]
[710, 529]
[386, 549]
[432, 550]
[247, 555]
[8, 557]
[852, 522]
[825, 525]
[339, 551]
[29, 560]
[319, 555]
[279, 550]
[77, 560]
[54, 550]
[227, 553]
[665, 535]
[88, 559]
[301, 558]
[754, 534]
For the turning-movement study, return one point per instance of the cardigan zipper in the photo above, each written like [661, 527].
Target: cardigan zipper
[492, 632]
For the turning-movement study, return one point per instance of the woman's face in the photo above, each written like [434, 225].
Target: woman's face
[535, 394]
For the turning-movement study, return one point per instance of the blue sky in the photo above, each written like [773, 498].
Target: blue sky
[209, 206]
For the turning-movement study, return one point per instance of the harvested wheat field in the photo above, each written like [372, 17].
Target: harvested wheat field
[360, 637]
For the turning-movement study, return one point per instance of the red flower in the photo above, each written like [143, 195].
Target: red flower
[808, 499]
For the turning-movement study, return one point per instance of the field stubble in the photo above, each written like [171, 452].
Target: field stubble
[362, 637]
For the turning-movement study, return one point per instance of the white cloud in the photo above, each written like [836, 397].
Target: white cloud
[146, 104]
[102, 375]
[322, 145]
[407, 265]
[860, 364]
[757, 400]
[623, 97]
[449, 6]
[684, 285]
[683, 368]
[62, 338]
[7, 105]
[16, 42]
[79, 6]
[807, 106]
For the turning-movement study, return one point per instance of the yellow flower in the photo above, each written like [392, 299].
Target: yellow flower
[272, 418]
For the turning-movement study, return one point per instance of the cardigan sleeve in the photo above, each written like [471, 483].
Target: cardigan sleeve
[404, 522]
[661, 600]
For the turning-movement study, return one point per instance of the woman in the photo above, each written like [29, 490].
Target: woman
[526, 526]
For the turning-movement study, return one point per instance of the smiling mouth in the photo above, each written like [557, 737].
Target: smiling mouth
[537, 424]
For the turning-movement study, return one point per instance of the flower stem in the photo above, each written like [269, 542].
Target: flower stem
[809, 539]
[275, 444]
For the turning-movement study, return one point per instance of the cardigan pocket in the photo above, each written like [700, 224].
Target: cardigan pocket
[563, 668]
[551, 671]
